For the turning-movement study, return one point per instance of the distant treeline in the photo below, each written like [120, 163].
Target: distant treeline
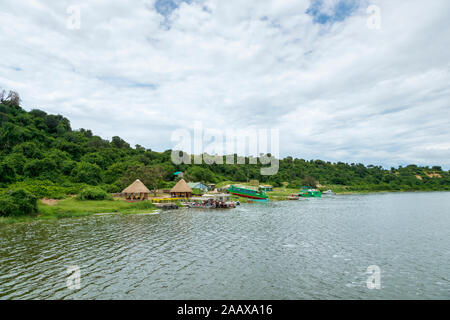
[42, 154]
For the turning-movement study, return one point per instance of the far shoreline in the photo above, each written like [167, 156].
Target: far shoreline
[45, 215]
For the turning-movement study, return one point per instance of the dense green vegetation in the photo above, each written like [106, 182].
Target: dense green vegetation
[17, 202]
[93, 193]
[41, 155]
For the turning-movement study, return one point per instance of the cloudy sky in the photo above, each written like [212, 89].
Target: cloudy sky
[340, 82]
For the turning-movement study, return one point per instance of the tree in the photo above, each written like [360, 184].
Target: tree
[38, 113]
[67, 166]
[13, 98]
[29, 149]
[197, 173]
[87, 173]
[309, 181]
[151, 176]
[45, 168]
[57, 124]
[7, 173]
[118, 142]
[97, 159]
[115, 172]
[10, 135]
[17, 161]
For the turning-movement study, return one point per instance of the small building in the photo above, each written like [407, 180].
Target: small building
[198, 185]
[211, 186]
[266, 188]
[181, 190]
[136, 191]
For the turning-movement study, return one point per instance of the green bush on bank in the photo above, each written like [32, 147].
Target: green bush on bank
[17, 202]
[94, 193]
[48, 189]
[41, 189]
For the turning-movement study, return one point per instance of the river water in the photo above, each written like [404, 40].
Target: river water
[306, 249]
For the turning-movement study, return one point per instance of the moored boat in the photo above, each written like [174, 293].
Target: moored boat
[308, 192]
[248, 193]
[259, 200]
[213, 205]
[213, 201]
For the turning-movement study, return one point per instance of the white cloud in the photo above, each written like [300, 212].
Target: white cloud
[338, 91]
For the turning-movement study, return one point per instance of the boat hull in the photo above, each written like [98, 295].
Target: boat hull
[247, 193]
[259, 200]
[248, 196]
[310, 194]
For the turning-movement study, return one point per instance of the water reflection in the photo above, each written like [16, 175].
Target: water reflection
[313, 249]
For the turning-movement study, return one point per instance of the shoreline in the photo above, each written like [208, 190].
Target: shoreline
[71, 208]
[120, 207]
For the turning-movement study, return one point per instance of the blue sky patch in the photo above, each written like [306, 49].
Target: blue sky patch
[342, 10]
[165, 7]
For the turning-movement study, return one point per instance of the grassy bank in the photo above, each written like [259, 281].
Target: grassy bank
[72, 207]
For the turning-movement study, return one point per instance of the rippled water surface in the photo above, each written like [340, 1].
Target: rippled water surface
[307, 249]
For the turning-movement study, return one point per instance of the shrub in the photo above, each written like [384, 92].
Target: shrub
[17, 202]
[42, 188]
[114, 188]
[94, 193]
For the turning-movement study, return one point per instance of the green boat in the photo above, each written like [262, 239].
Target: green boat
[308, 192]
[247, 193]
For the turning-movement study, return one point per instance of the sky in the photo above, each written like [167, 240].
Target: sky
[357, 81]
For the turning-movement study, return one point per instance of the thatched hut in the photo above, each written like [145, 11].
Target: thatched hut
[136, 191]
[181, 190]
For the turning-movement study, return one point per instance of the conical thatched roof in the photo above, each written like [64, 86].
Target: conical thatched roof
[136, 187]
[181, 186]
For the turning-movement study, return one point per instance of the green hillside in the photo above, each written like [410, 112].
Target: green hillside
[41, 153]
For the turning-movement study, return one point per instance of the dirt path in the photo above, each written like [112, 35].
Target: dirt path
[50, 202]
